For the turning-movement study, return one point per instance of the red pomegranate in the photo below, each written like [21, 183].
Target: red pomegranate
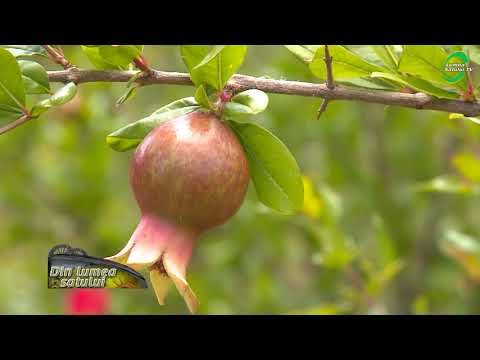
[188, 175]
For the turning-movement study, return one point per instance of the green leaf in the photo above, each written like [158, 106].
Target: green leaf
[416, 84]
[427, 62]
[369, 83]
[26, 50]
[129, 94]
[9, 113]
[274, 170]
[304, 52]
[34, 77]
[12, 90]
[210, 56]
[131, 135]
[249, 102]
[93, 54]
[120, 55]
[60, 97]
[387, 54]
[201, 97]
[345, 64]
[64, 94]
[212, 66]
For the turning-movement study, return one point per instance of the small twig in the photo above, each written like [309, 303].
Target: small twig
[21, 120]
[328, 64]
[330, 84]
[57, 57]
[322, 108]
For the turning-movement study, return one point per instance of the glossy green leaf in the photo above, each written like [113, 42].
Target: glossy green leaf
[367, 53]
[201, 97]
[64, 94]
[120, 55]
[34, 77]
[249, 102]
[93, 54]
[416, 84]
[427, 62]
[369, 83]
[274, 170]
[60, 97]
[345, 64]
[210, 56]
[387, 55]
[304, 52]
[212, 66]
[24, 51]
[130, 136]
[129, 94]
[12, 90]
[9, 113]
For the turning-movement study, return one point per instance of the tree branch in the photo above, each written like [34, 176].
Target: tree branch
[21, 120]
[240, 83]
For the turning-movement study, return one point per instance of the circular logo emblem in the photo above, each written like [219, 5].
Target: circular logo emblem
[455, 66]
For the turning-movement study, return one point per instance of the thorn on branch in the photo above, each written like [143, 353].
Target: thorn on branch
[57, 57]
[328, 64]
[330, 83]
[322, 108]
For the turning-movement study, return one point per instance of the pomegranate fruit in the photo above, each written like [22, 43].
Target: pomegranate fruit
[188, 175]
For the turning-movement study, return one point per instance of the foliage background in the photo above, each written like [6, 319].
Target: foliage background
[366, 242]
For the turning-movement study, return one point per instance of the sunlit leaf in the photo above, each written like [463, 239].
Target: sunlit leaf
[34, 77]
[128, 137]
[345, 64]
[427, 62]
[416, 84]
[12, 90]
[212, 66]
[25, 51]
[201, 97]
[60, 97]
[274, 170]
[249, 102]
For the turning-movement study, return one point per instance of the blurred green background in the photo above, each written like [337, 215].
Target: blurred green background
[368, 241]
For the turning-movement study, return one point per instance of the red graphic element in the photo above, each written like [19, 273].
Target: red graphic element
[87, 302]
